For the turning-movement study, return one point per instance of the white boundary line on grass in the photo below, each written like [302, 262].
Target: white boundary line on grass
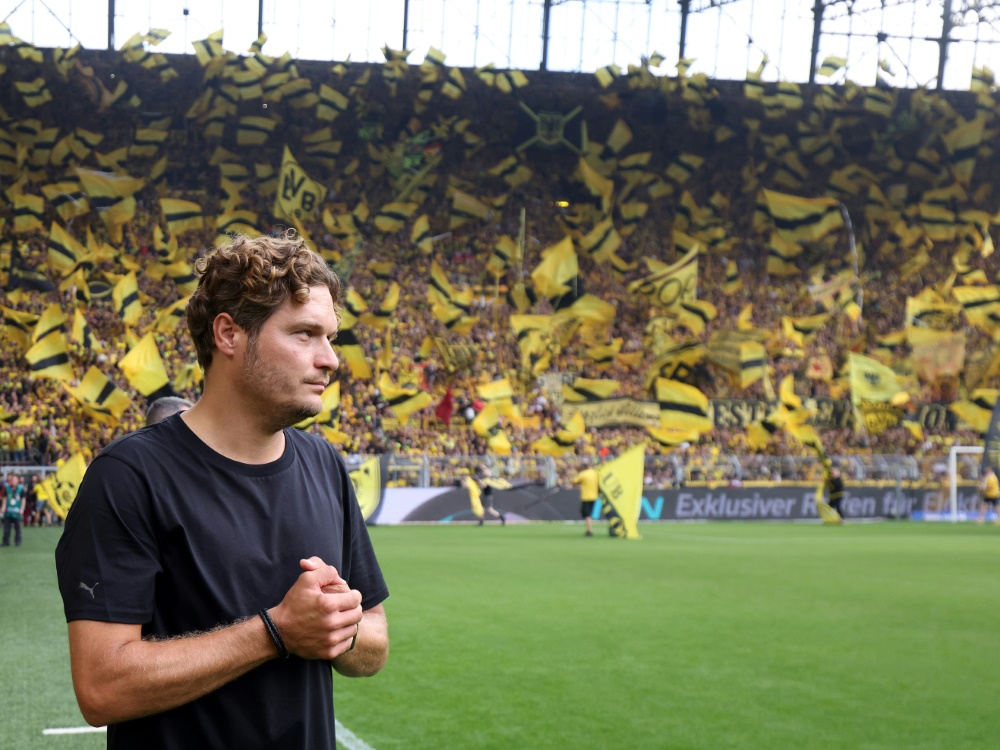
[345, 736]
[75, 730]
[349, 739]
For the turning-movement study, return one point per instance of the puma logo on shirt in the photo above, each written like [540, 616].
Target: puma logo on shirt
[89, 589]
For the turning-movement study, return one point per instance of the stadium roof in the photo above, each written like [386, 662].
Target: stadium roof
[905, 43]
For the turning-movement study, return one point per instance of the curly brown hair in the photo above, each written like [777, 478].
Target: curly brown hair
[249, 278]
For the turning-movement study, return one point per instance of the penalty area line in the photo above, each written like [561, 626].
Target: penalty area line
[349, 739]
[74, 730]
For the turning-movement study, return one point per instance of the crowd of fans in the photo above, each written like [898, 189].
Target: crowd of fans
[721, 125]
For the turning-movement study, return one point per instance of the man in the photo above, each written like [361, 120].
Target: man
[477, 493]
[989, 493]
[216, 563]
[588, 480]
[835, 490]
[164, 407]
[12, 509]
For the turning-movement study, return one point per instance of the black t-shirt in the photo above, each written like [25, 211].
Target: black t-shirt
[167, 533]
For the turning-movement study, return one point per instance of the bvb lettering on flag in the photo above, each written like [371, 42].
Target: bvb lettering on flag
[297, 194]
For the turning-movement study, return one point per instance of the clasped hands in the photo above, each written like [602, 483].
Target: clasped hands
[320, 614]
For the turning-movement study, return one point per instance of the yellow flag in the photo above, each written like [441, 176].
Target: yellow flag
[182, 215]
[620, 486]
[403, 400]
[29, 210]
[18, 326]
[797, 219]
[495, 391]
[558, 268]
[871, 380]
[126, 299]
[61, 487]
[586, 389]
[100, 396]
[53, 319]
[682, 406]
[487, 425]
[563, 441]
[143, 367]
[49, 358]
[64, 250]
[465, 208]
[297, 195]
[392, 216]
[669, 286]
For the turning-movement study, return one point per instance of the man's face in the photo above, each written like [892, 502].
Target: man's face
[289, 366]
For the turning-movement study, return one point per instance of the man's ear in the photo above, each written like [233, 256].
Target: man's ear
[226, 334]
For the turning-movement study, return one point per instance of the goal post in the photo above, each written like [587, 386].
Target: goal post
[953, 453]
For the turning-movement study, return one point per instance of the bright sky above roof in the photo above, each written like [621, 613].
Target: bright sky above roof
[725, 40]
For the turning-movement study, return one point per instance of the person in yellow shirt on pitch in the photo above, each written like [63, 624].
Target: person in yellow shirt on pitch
[476, 494]
[587, 479]
[989, 493]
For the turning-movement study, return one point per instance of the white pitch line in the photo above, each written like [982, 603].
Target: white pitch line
[345, 736]
[75, 730]
[349, 739]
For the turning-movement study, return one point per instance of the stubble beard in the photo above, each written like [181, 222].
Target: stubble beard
[269, 382]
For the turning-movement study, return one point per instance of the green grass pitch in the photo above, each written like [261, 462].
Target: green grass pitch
[723, 635]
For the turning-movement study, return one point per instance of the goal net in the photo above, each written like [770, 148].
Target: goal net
[953, 466]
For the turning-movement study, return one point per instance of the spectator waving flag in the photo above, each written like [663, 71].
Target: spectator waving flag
[620, 486]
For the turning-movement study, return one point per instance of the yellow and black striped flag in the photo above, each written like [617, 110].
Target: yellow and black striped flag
[682, 406]
[420, 234]
[29, 210]
[18, 325]
[504, 255]
[511, 171]
[695, 315]
[564, 440]
[586, 389]
[143, 366]
[981, 305]
[393, 216]
[602, 241]
[49, 358]
[557, 276]
[35, 93]
[331, 103]
[125, 296]
[63, 250]
[349, 346]
[67, 198]
[83, 335]
[404, 400]
[100, 397]
[799, 219]
[52, 319]
[147, 142]
[466, 208]
[182, 216]
[668, 286]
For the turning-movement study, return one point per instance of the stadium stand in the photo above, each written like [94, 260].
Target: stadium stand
[538, 263]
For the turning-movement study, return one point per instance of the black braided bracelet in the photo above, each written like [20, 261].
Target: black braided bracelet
[272, 630]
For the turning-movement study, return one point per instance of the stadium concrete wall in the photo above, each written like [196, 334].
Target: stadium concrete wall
[760, 502]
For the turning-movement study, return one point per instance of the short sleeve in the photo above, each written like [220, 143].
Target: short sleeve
[361, 568]
[107, 559]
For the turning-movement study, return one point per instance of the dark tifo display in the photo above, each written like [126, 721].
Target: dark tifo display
[786, 502]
